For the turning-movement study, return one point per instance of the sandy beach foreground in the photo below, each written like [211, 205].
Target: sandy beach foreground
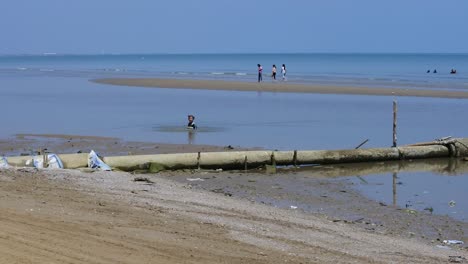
[82, 216]
[76, 217]
[278, 87]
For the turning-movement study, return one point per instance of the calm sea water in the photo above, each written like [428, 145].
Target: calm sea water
[394, 70]
[52, 94]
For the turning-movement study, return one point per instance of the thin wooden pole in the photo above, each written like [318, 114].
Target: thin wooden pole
[395, 110]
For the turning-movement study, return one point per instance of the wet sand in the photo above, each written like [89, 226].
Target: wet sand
[25, 144]
[277, 87]
[220, 217]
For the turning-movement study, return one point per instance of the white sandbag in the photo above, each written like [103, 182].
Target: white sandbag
[53, 162]
[4, 163]
[95, 162]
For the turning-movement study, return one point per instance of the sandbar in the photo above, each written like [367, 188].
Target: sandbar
[278, 87]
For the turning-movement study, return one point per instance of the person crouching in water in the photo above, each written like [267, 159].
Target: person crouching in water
[191, 122]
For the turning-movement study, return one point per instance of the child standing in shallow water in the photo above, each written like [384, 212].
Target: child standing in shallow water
[260, 71]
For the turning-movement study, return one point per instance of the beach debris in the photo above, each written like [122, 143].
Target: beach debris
[293, 207]
[95, 162]
[220, 190]
[457, 259]
[362, 180]
[453, 242]
[452, 203]
[28, 170]
[411, 211]
[443, 138]
[143, 179]
[430, 209]
[4, 163]
[52, 161]
[195, 179]
[362, 143]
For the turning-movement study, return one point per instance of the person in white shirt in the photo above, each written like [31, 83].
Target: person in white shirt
[283, 71]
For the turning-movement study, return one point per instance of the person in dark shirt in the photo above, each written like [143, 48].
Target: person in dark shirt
[191, 122]
[260, 72]
[273, 72]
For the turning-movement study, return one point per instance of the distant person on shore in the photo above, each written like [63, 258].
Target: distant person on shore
[453, 71]
[273, 72]
[191, 122]
[435, 71]
[260, 71]
[283, 71]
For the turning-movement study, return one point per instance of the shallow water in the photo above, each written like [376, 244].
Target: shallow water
[73, 105]
[439, 191]
[59, 103]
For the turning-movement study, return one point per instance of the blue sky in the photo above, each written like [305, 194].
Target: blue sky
[218, 26]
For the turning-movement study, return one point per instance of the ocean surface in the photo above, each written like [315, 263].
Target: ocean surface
[52, 94]
[376, 70]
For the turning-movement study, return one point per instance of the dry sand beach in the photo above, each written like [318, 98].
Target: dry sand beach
[278, 87]
[79, 216]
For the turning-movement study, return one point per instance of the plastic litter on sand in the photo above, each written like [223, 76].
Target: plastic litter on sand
[453, 242]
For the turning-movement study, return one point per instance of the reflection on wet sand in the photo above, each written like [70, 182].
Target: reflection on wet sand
[191, 136]
[394, 188]
[446, 166]
[183, 129]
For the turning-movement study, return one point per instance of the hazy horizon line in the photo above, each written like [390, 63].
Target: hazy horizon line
[51, 54]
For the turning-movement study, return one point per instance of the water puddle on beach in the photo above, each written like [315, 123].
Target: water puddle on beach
[351, 191]
[433, 186]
